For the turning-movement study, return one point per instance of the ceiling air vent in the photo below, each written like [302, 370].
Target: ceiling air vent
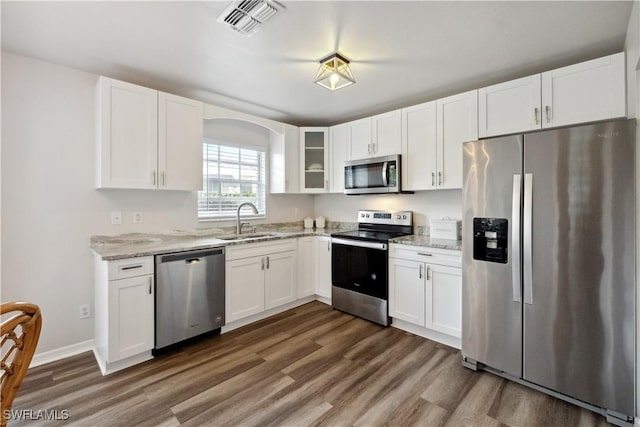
[246, 16]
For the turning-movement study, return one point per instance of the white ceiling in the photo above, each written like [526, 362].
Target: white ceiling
[402, 53]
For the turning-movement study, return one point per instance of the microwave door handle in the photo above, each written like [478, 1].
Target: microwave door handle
[385, 178]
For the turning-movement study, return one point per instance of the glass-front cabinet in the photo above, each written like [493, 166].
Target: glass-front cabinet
[314, 159]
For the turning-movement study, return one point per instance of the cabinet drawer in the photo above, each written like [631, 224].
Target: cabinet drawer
[247, 250]
[130, 267]
[424, 254]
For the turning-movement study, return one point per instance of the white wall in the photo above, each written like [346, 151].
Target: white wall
[632, 49]
[425, 205]
[49, 206]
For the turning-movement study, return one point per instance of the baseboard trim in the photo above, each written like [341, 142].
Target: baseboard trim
[61, 353]
[268, 313]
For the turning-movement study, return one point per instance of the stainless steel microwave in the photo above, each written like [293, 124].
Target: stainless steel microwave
[376, 175]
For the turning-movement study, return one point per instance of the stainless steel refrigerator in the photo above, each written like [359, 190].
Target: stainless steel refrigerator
[549, 262]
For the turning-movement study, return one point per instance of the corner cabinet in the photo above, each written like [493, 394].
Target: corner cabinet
[425, 291]
[124, 312]
[314, 159]
[147, 139]
[585, 92]
[284, 155]
[338, 153]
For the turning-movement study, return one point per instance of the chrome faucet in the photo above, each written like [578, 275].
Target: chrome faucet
[240, 224]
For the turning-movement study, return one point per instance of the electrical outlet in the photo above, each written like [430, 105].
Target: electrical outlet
[85, 311]
[137, 217]
[116, 218]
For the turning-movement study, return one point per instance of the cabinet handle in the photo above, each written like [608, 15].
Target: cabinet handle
[440, 178]
[150, 284]
[373, 148]
[433, 179]
[547, 111]
[369, 148]
[262, 262]
[420, 253]
[420, 272]
[162, 178]
[131, 267]
[428, 273]
[326, 183]
[153, 177]
[535, 115]
[267, 263]
[328, 245]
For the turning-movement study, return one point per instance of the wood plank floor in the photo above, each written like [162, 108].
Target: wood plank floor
[308, 366]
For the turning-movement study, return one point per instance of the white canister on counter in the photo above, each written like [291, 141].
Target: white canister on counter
[320, 222]
[308, 222]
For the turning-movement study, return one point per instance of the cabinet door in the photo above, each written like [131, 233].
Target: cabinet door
[444, 299]
[360, 139]
[323, 266]
[510, 107]
[180, 127]
[457, 122]
[338, 153]
[305, 279]
[131, 317]
[314, 159]
[407, 290]
[284, 158]
[280, 281]
[127, 135]
[419, 166]
[244, 286]
[585, 92]
[387, 133]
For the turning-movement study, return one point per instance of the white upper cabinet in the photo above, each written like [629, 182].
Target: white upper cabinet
[180, 131]
[457, 122]
[584, 92]
[338, 154]
[360, 139]
[509, 107]
[314, 159]
[284, 157]
[387, 133]
[147, 139]
[127, 135]
[419, 147]
[375, 136]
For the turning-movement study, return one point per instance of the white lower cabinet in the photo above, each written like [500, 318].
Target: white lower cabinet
[124, 312]
[425, 289]
[259, 276]
[306, 278]
[322, 266]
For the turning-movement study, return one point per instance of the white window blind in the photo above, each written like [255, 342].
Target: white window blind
[231, 176]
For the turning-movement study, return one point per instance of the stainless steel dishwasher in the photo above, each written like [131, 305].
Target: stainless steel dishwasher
[189, 295]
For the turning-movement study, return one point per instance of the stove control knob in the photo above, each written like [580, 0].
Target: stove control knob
[404, 217]
[398, 217]
[367, 215]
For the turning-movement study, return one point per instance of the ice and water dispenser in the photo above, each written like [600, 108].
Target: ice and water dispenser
[490, 237]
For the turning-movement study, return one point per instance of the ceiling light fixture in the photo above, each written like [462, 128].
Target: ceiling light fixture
[334, 72]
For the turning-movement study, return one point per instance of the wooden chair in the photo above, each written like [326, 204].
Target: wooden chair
[20, 335]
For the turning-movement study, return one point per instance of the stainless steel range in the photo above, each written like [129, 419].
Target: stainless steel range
[360, 264]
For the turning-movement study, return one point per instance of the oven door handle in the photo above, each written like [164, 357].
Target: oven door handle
[359, 243]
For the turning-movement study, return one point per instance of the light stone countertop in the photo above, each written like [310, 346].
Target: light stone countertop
[141, 244]
[428, 242]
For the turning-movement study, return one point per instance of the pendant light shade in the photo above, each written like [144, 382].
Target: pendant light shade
[334, 72]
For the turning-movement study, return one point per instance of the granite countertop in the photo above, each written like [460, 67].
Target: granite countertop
[426, 241]
[141, 244]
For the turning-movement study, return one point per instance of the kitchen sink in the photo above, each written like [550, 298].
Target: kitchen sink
[247, 236]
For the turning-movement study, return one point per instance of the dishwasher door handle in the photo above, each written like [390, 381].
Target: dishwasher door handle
[192, 261]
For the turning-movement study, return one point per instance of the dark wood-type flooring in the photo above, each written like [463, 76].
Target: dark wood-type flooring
[308, 366]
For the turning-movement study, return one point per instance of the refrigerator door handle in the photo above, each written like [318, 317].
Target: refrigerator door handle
[515, 238]
[527, 237]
